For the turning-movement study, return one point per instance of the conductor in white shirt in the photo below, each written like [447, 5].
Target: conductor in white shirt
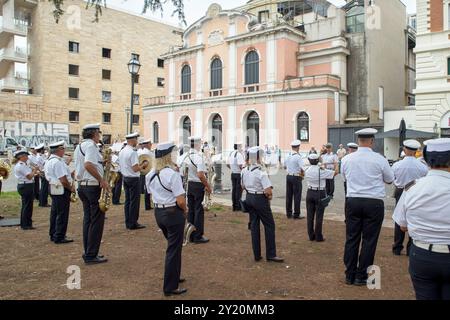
[294, 180]
[406, 171]
[236, 163]
[366, 173]
[423, 211]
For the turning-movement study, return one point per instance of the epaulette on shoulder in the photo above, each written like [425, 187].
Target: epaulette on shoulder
[409, 185]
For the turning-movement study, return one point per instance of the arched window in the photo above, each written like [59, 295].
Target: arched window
[252, 129]
[216, 74]
[155, 132]
[303, 126]
[186, 79]
[216, 137]
[186, 129]
[252, 68]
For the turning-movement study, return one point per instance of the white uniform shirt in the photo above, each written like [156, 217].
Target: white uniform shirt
[254, 179]
[366, 173]
[33, 159]
[128, 158]
[294, 163]
[329, 160]
[56, 168]
[312, 176]
[195, 162]
[424, 209]
[88, 151]
[21, 170]
[236, 160]
[171, 180]
[407, 170]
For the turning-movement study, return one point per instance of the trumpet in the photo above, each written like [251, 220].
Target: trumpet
[188, 229]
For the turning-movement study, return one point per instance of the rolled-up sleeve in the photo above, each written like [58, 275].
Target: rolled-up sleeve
[265, 181]
[91, 154]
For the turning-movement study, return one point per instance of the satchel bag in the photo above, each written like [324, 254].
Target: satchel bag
[56, 189]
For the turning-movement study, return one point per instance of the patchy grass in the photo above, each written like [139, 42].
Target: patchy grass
[10, 204]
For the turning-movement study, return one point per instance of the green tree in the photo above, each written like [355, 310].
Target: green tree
[153, 5]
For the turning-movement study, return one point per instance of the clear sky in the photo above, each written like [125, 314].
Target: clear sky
[195, 9]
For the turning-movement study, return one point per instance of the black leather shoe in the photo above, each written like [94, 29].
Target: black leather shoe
[175, 292]
[349, 281]
[96, 260]
[137, 227]
[397, 253]
[28, 228]
[276, 259]
[258, 259]
[360, 282]
[182, 280]
[65, 240]
[289, 217]
[320, 240]
[201, 240]
[298, 217]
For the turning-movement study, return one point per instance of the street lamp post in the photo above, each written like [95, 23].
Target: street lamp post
[133, 68]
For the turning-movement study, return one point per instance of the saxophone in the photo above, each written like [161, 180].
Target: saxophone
[109, 176]
[188, 229]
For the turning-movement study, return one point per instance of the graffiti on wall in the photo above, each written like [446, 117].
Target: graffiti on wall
[33, 133]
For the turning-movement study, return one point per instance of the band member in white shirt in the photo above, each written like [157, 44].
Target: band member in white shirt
[423, 211]
[165, 185]
[316, 178]
[117, 189]
[129, 165]
[330, 161]
[236, 163]
[25, 186]
[34, 161]
[366, 173]
[89, 173]
[40, 159]
[258, 187]
[407, 170]
[197, 183]
[294, 178]
[60, 179]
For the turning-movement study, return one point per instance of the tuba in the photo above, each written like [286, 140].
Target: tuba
[188, 229]
[109, 176]
[145, 158]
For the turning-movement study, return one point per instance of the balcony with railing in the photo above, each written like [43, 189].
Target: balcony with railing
[326, 81]
[12, 84]
[14, 26]
[17, 54]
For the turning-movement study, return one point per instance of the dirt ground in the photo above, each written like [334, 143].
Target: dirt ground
[32, 267]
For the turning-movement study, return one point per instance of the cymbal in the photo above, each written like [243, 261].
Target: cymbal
[142, 159]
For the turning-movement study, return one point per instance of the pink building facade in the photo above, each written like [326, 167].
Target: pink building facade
[236, 80]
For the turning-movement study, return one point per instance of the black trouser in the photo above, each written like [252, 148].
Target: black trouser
[43, 194]
[364, 220]
[399, 235]
[329, 187]
[345, 200]
[430, 274]
[59, 216]
[147, 202]
[259, 210]
[171, 222]
[26, 192]
[93, 221]
[117, 190]
[132, 201]
[36, 187]
[196, 193]
[293, 192]
[236, 190]
[315, 212]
